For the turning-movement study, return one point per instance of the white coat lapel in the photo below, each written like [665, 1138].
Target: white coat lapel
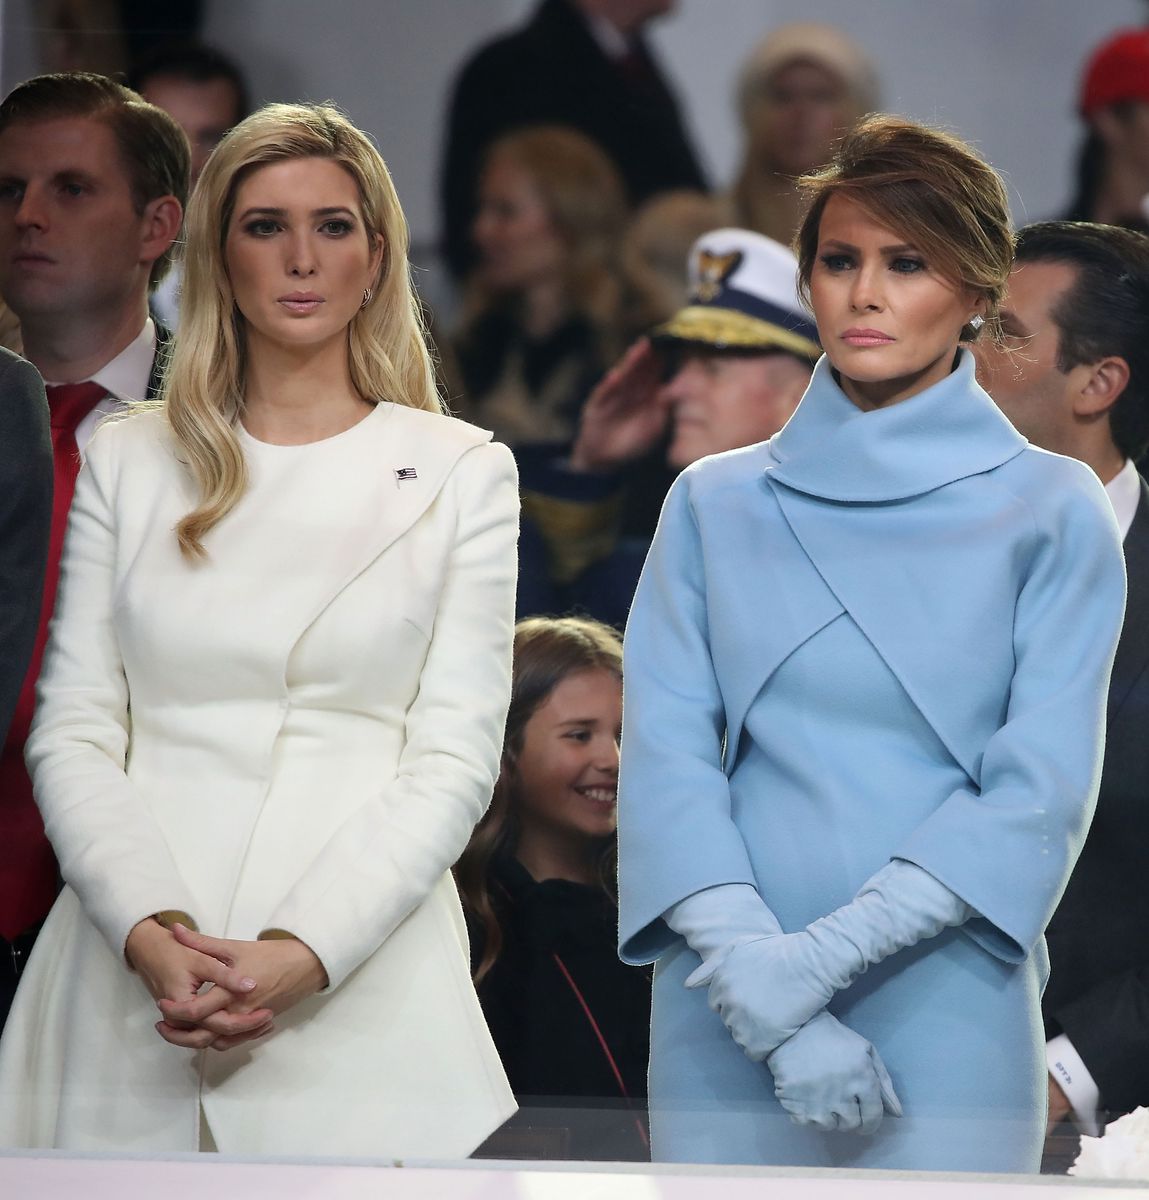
[407, 460]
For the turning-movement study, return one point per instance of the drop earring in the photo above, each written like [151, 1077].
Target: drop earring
[366, 297]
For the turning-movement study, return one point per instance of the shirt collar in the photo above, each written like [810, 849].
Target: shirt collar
[1124, 492]
[126, 376]
[832, 449]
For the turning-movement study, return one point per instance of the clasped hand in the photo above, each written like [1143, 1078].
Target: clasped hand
[765, 990]
[771, 993]
[248, 983]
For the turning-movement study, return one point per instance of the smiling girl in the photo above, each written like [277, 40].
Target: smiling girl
[569, 1019]
[866, 675]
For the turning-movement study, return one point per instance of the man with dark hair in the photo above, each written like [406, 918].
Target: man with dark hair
[582, 63]
[1073, 376]
[206, 94]
[200, 87]
[92, 186]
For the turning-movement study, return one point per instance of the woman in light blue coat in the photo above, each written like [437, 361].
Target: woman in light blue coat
[866, 673]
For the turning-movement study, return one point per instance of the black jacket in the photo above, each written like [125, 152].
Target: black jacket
[1098, 992]
[552, 71]
[25, 519]
[564, 1012]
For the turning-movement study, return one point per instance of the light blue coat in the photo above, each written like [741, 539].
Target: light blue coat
[878, 635]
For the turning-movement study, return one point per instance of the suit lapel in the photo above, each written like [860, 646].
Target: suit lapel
[159, 360]
[1133, 648]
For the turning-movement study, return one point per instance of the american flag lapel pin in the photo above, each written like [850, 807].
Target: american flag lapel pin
[402, 474]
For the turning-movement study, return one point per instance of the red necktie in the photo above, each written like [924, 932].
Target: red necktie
[27, 866]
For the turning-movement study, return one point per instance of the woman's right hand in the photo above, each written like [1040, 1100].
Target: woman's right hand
[830, 1077]
[623, 417]
[171, 971]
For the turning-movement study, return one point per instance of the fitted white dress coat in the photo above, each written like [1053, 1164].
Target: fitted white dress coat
[298, 733]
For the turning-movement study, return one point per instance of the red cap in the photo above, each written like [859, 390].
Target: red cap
[1118, 70]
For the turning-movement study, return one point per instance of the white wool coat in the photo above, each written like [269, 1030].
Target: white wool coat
[298, 733]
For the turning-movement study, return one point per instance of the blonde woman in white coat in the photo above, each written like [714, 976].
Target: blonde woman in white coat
[272, 708]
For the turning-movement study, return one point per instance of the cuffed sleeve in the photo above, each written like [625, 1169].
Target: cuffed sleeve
[676, 836]
[1041, 769]
[109, 845]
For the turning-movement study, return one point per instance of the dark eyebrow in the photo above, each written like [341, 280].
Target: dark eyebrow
[282, 212]
[580, 721]
[901, 248]
[74, 175]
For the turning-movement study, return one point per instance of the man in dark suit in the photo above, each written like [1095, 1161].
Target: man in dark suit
[582, 63]
[92, 186]
[25, 517]
[1073, 376]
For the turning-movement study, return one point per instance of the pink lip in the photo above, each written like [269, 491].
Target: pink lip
[866, 337]
[29, 257]
[301, 302]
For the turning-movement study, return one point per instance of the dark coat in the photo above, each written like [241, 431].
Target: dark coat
[25, 519]
[559, 955]
[1098, 992]
[553, 72]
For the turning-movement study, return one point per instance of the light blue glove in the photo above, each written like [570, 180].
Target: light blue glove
[830, 1077]
[766, 988]
[825, 1075]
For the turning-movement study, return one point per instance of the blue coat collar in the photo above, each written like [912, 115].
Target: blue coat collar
[831, 449]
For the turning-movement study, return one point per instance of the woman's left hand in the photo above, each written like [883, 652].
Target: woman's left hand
[287, 971]
[765, 989]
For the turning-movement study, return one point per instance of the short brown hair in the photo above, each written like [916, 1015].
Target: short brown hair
[934, 190]
[154, 149]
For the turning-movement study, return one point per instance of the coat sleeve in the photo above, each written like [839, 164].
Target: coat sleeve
[1007, 846]
[25, 519]
[1109, 1027]
[112, 852]
[385, 859]
[676, 835]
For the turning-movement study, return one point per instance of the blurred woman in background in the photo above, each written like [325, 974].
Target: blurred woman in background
[543, 303]
[800, 91]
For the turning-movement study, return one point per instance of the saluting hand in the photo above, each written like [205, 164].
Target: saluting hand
[624, 416]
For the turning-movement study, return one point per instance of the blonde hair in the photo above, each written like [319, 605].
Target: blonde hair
[585, 199]
[203, 390]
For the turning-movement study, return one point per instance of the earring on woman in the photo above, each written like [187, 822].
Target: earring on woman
[976, 322]
[366, 297]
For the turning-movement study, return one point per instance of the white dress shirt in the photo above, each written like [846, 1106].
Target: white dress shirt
[1124, 492]
[125, 378]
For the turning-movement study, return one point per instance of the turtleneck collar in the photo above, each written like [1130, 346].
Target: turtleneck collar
[832, 449]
